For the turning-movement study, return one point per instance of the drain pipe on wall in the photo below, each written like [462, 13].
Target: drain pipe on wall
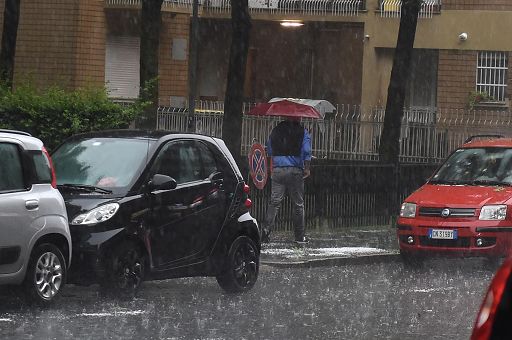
[192, 67]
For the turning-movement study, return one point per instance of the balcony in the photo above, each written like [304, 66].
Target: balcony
[392, 8]
[277, 7]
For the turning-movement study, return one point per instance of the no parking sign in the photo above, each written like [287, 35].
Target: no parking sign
[258, 165]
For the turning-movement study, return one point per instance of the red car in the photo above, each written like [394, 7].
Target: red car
[493, 319]
[465, 208]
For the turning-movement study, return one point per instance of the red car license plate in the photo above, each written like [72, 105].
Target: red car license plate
[442, 234]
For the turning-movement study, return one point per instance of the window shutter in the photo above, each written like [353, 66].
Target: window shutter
[122, 66]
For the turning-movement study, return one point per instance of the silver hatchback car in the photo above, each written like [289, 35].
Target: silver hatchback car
[35, 243]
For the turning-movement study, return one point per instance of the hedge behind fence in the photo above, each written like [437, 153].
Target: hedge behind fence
[55, 114]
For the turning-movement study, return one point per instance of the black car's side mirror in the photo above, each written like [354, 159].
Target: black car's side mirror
[216, 178]
[162, 182]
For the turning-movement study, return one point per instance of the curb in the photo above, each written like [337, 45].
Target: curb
[335, 261]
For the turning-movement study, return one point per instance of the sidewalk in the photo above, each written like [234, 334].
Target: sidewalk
[339, 247]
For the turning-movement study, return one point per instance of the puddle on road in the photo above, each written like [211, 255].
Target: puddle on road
[319, 252]
[114, 313]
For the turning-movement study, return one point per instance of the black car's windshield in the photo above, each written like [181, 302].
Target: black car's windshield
[99, 162]
[478, 166]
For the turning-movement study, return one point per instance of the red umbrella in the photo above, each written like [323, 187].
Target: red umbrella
[285, 108]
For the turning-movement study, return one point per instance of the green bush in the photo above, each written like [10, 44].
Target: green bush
[55, 114]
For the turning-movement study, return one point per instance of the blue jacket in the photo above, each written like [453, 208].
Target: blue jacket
[292, 161]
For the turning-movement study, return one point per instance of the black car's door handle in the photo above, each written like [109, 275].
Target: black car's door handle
[177, 207]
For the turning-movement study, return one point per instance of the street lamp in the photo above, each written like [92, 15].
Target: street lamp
[291, 23]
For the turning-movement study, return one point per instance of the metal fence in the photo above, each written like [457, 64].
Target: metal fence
[339, 193]
[288, 7]
[427, 136]
[347, 195]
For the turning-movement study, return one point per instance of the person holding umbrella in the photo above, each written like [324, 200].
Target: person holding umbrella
[289, 145]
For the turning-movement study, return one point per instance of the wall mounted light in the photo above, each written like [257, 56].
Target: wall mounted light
[463, 36]
[291, 23]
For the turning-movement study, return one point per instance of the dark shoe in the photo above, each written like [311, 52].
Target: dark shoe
[302, 241]
[265, 236]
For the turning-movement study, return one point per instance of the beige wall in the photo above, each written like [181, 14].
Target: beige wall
[173, 74]
[487, 30]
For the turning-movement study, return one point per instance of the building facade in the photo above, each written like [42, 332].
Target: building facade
[342, 52]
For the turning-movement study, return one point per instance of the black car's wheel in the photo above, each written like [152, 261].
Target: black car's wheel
[125, 270]
[412, 260]
[46, 274]
[241, 266]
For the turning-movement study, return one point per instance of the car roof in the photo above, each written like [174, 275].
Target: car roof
[489, 143]
[126, 133]
[162, 136]
[134, 133]
[25, 139]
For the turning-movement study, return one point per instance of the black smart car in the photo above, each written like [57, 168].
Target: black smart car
[156, 205]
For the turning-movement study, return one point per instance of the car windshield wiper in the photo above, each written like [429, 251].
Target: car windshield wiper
[446, 181]
[84, 187]
[488, 182]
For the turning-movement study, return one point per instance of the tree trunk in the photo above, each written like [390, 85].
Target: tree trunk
[389, 147]
[232, 122]
[9, 34]
[151, 20]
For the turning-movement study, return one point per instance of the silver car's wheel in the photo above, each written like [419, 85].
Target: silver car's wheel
[48, 275]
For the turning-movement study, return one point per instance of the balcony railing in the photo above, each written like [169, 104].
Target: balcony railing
[287, 7]
[393, 8]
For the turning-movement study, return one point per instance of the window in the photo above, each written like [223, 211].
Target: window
[122, 66]
[209, 164]
[190, 163]
[42, 167]
[492, 165]
[103, 162]
[491, 75]
[179, 160]
[11, 171]
[421, 92]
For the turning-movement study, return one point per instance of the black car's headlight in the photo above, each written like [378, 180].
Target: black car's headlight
[96, 215]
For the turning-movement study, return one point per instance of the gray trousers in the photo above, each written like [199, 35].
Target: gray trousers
[289, 180]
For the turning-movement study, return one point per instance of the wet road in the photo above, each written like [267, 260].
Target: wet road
[380, 301]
